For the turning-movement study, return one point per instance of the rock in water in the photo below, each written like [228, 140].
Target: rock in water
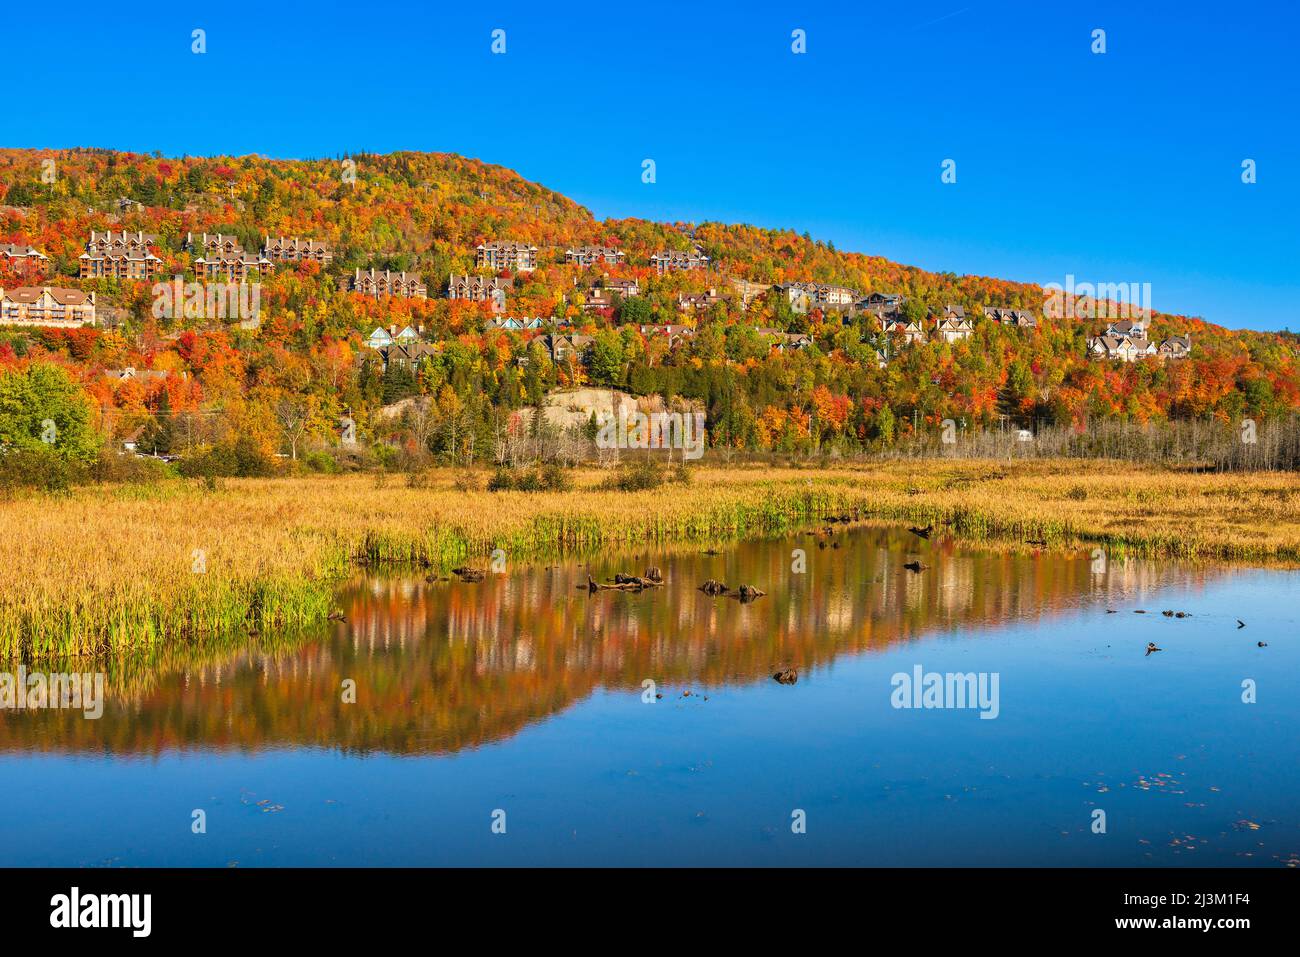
[787, 677]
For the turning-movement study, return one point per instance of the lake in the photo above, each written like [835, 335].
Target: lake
[509, 722]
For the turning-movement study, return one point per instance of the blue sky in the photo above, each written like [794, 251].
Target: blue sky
[1118, 167]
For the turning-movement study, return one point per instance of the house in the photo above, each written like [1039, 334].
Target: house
[517, 325]
[806, 296]
[565, 348]
[213, 244]
[404, 285]
[1122, 348]
[1011, 317]
[111, 243]
[676, 334]
[25, 260]
[46, 306]
[516, 257]
[1132, 328]
[381, 338]
[887, 301]
[748, 291]
[671, 261]
[291, 249]
[1175, 347]
[785, 340]
[696, 302]
[478, 289]
[230, 267]
[119, 256]
[592, 255]
[405, 355]
[624, 287]
[910, 331]
[953, 328]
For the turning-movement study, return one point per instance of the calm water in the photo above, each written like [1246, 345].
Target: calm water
[524, 694]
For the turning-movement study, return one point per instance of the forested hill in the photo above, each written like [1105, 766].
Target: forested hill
[850, 383]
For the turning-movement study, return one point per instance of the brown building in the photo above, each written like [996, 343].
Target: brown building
[119, 256]
[291, 249]
[231, 267]
[46, 306]
[672, 261]
[593, 255]
[478, 289]
[213, 244]
[405, 285]
[25, 260]
[516, 257]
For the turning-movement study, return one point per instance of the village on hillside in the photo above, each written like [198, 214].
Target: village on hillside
[221, 258]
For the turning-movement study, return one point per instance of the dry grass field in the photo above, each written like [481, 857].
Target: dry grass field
[111, 568]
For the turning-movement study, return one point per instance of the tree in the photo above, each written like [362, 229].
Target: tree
[43, 410]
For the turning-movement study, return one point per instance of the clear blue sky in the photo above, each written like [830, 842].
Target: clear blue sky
[1121, 167]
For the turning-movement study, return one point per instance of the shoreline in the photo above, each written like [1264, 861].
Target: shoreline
[112, 569]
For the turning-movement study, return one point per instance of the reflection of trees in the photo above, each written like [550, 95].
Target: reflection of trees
[445, 666]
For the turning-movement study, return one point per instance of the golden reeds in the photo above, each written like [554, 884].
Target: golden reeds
[115, 568]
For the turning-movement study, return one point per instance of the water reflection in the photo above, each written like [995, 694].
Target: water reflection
[444, 666]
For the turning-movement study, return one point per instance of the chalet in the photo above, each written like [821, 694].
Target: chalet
[1175, 347]
[213, 244]
[46, 306]
[1011, 317]
[478, 289]
[806, 296]
[1121, 348]
[696, 302]
[381, 338]
[624, 287]
[909, 330]
[291, 249]
[671, 261]
[565, 348]
[230, 267]
[24, 259]
[516, 257]
[111, 243]
[517, 325]
[748, 291]
[1131, 328]
[404, 285]
[888, 301]
[951, 329]
[785, 340]
[406, 355]
[119, 256]
[593, 255]
[675, 334]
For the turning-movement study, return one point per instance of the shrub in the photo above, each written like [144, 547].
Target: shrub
[545, 478]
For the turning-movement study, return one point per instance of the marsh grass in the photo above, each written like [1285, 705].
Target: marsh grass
[104, 570]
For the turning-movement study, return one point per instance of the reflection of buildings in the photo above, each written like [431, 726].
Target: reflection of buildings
[444, 666]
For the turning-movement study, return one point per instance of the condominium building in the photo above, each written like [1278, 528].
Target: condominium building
[671, 261]
[516, 257]
[373, 282]
[46, 306]
[119, 256]
[291, 249]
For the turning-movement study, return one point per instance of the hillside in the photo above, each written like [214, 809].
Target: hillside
[286, 384]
